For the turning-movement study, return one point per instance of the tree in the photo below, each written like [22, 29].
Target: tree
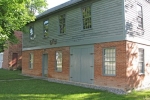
[15, 14]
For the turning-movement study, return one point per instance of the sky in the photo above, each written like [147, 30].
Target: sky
[53, 3]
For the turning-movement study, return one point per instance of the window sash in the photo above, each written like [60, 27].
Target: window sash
[140, 16]
[141, 60]
[59, 61]
[62, 24]
[86, 13]
[109, 61]
[31, 61]
[31, 32]
[45, 28]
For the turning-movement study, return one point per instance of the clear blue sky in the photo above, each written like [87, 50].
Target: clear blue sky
[53, 3]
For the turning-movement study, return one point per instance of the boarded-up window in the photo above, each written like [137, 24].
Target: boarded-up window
[141, 60]
[62, 24]
[45, 28]
[86, 12]
[59, 61]
[109, 61]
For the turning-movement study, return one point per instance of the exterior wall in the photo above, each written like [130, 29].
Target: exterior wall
[105, 13]
[134, 79]
[118, 81]
[5, 59]
[126, 77]
[52, 73]
[133, 33]
[1, 59]
[8, 53]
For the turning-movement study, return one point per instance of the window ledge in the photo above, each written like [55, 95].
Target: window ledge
[87, 29]
[141, 74]
[62, 34]
[140, 28]
[45, 37]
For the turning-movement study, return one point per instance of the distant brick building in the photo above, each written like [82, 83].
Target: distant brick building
[12, 56]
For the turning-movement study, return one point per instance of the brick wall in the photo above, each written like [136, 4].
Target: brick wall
[134, 79]
[126, 78]
[118, 81]
[37, 69]
[13, 48]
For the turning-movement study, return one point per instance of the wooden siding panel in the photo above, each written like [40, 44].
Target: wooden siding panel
[107, 22]
[131, 20]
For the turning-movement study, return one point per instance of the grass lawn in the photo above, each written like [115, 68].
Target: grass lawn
[36, 89]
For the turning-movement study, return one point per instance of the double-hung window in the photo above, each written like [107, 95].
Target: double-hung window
[109, 61]
[31, 33]
[62, 23]
[45, 28]
[86, 13]
[31, 60]
[59, 61]
[139, 16]
[141, 60]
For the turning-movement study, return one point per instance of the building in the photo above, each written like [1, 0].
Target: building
[12, 56]
[1, 59]
[102, 43]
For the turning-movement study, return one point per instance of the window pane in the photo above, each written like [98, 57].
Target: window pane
[109, 61]
[140, 16]
[141, 60]
[86, 12]
[59, 61]
[31, 61]
[31, 31]
[62, 24]
[45, 29]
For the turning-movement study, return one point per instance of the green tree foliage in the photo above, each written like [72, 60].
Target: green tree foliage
[15, 14]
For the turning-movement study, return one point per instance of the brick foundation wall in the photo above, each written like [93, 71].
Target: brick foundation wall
[126, 77]
[134, 79]
[118, 81]
[37, 69]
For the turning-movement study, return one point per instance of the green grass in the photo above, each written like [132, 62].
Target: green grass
[35, 89]
[8, 74]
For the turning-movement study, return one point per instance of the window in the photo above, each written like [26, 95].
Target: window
[140, 16]
[109, 61]
[62, 25]
[59, 61]
[31, 31]
[45, 28]
[31, 61]
[86, 12]
[141, 60]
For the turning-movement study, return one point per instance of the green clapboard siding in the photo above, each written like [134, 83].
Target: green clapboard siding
[107, 25]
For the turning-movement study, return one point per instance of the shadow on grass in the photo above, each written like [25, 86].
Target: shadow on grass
[43, 90]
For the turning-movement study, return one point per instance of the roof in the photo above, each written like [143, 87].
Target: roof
[59, 7]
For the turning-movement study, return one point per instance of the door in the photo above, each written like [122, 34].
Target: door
[14, 60]
[1, 59]
[45, 65]
[82, 64]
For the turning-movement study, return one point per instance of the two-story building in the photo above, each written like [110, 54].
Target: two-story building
[103, 43]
